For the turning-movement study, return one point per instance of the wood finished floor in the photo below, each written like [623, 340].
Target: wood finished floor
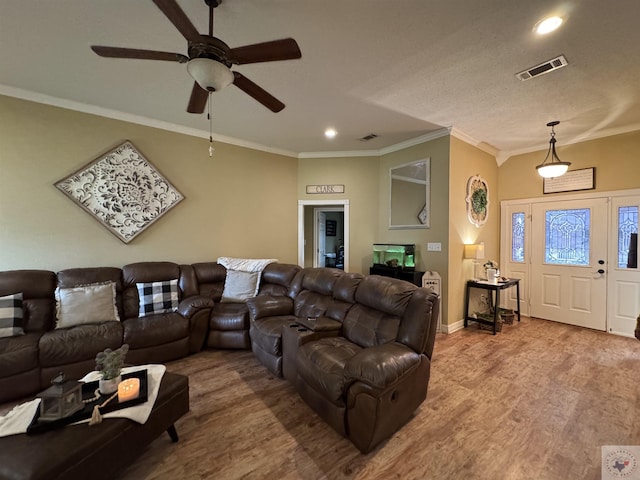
[537, 401]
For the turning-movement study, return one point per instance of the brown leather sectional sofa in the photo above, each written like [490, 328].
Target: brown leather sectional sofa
[29, 362]
[357, 348]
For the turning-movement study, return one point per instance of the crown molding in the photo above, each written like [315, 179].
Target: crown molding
[586, 137]
[340, 154]
[500, 155]
[137, 119]
[485, 147]
[441, 132]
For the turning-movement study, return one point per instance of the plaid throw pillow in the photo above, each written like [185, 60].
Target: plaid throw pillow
[11, 315]
[157, 297]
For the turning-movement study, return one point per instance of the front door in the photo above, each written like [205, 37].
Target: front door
[569, 262]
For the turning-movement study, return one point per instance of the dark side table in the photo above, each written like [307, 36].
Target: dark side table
[491, 287]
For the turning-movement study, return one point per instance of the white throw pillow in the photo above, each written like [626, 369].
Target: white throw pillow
[95, 303]
[240, 286]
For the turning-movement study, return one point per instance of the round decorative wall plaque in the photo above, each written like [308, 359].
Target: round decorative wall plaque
[477, 200]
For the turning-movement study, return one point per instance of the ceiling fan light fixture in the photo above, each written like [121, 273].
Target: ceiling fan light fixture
[210, 74]
[556, 167]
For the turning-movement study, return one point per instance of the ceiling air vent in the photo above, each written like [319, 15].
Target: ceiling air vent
[366, 138]
[543, 68]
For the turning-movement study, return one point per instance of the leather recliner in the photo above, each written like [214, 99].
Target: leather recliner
[367, 381]
[310, 294]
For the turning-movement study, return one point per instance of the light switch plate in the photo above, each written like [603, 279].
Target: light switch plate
[434, 247]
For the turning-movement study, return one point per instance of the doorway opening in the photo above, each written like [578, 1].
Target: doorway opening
[323, 233]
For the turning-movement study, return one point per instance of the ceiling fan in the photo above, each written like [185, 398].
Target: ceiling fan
[209, 59]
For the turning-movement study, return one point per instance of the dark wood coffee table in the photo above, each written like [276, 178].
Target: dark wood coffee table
[97, 452]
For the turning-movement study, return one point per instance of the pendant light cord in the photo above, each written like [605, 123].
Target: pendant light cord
[210, 118]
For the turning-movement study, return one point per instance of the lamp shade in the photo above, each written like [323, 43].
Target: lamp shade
[209, 74]
[474, 251]
[552, 170]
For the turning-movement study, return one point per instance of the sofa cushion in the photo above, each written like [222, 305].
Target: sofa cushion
[95, 303]
[240, 286]
[38, 301]
[276, 278]
[11, 315]
[144, 272]
[369, 327]
[375, 318]
[75, 344]
[229, 316]
[18, 354]
[158, 297]
[77, 277]
[155, 330]
[211, 277]
[321, 365]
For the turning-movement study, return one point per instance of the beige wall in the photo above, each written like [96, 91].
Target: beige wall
[242, 202]
[438, 151]
[467, 161]
[359, 175]
[615, 158]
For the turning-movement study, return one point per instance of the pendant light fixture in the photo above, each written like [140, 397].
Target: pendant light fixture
[556, 167]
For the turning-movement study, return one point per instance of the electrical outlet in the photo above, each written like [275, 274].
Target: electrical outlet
[434, 247]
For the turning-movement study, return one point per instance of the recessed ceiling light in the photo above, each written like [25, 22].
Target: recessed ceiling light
[330, 133]
[548, 25]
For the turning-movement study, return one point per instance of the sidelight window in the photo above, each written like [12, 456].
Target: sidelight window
[628, 237]
[517, 237]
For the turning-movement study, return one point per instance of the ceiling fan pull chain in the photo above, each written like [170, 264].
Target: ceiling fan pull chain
[211, 149]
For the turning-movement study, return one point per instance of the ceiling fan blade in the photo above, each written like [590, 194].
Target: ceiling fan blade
[177, 16]
[117, 52]
[258, 93]
[198, 100]
[285, 49]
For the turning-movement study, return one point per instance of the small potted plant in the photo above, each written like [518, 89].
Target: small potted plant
[491, 269]
[109, 363]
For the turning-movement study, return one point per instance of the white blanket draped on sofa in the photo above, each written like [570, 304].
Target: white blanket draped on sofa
[251, 265]
[243, 277]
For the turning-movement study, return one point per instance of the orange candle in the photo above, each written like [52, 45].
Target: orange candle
[128, 389]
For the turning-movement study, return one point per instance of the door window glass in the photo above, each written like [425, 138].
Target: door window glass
[567, 236]
[517, 237]
[628, 237]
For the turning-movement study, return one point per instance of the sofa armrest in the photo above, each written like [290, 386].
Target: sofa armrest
[268, 306]
[382, 365]
[189, 306]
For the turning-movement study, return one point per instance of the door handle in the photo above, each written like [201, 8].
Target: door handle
[600, 271]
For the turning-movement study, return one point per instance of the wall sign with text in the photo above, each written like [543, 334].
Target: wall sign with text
[313, 189]
[573, 180]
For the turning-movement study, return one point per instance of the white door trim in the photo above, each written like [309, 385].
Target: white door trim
[327, 203]
[505, 249]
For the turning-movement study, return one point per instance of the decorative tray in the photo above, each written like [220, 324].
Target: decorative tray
[88, 391]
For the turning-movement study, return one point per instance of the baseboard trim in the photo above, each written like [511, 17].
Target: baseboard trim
[453, 327]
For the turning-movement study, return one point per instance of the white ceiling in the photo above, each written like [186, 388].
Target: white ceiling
[399, 69]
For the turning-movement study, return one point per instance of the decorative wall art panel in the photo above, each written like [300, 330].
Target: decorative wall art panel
[477, 200]
[122, 190]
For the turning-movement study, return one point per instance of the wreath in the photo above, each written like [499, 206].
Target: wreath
[479, 201]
